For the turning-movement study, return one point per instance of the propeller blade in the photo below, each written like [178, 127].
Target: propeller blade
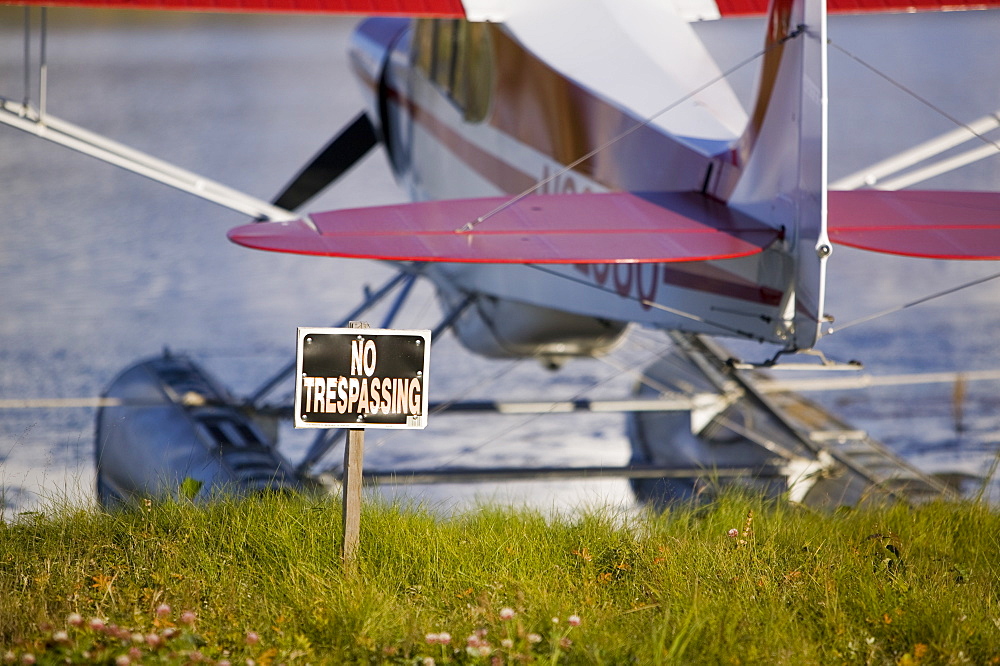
[343, 152]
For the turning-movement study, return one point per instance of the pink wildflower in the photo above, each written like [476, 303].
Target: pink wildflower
[162, 610]
[74, 619]
[252, 638]
[733, 533]
[438, 639]
[534, 638]
[27, 658]
[477, 645]
[121, 633]
[188, 617]
[479, 650]
[506, 613]
[574, 620]
[153, 640]
[60, 637]
[96, 623]
[122, 660]
[507, 643]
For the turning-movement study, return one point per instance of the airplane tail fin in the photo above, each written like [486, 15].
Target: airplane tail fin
[780, 160]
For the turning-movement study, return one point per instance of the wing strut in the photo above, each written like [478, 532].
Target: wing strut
[40, 123]
[371, 300]
[107, 150]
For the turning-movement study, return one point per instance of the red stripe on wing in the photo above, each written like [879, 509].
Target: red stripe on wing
[731, 8]
[576, 228]
[429, 8]
[918, 223]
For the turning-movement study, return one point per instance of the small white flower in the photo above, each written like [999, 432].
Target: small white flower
[506, 613]
[574, 620]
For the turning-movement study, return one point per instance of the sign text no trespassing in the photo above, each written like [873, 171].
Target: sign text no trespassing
[361, 378]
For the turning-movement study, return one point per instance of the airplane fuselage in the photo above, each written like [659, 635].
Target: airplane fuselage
[465, 110]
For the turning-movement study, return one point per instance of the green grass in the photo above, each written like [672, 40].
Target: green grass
[884, 585]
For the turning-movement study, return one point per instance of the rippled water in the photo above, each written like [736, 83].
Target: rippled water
[99, 267]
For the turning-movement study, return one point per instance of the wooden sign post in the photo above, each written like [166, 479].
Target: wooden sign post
[359, 378]
[354, 455]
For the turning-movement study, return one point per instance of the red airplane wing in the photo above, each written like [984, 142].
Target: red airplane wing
[915, 223]
[572, 228]
[455, 9]
[429, 8]
[732, 8]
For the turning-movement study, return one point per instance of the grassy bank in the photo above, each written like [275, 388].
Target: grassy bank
[740, 581]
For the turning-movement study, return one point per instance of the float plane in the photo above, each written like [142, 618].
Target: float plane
[574, 167]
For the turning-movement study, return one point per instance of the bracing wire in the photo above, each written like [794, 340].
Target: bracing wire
[923, 100]
[937, 109]
[910, 304]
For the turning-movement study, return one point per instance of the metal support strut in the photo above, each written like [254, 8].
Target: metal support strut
[327, 439]
[255, 399]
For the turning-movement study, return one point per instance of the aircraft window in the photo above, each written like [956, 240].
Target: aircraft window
[445, 54]
[456, 56]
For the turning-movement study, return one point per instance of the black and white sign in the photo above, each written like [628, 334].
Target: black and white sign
[361, 378]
